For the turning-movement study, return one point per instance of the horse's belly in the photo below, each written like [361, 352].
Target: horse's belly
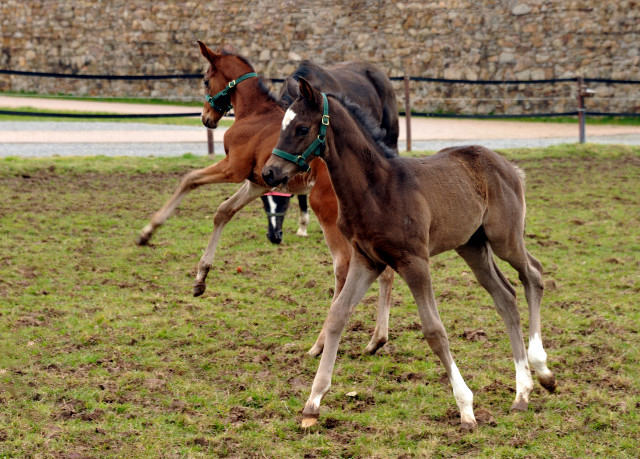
[443, 238]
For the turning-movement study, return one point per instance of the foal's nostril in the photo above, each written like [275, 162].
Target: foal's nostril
[267, 176]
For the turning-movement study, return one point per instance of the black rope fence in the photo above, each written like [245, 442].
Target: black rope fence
[581, 112]
[186, 76]
[97, 115]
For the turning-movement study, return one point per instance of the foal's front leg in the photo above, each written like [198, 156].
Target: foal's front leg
[380, 335]
[248, 192]
[303, 221]
[325, 206]
[359, 279]
[220, 172]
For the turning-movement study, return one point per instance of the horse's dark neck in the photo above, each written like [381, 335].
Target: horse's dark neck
[355, 165]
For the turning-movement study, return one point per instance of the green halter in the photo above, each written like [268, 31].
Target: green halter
[316, 147]
[224, 94]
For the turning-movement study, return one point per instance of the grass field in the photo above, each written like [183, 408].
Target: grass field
[105, 353]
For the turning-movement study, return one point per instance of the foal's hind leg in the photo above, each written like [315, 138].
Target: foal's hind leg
[248, 192]
[479, 257]
[530, 274]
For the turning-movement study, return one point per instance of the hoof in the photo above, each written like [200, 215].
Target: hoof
[309, 421]
[468, 426]
[519, 405]
[315, 351]
[373, 347]
[548, 382]
[142, 239]
[199, 289]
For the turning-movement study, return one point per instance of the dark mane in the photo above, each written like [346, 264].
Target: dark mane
[368, 125]
[305, 68]
[312, 72]
[261, 86]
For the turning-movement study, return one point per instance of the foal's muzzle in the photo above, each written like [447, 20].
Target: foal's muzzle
[209, 122]
[273, 176]
[275, 236]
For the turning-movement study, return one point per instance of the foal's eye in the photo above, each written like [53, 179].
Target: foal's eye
[206, 83]
[302, 130]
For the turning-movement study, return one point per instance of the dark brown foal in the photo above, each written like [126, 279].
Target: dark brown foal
[400, 212]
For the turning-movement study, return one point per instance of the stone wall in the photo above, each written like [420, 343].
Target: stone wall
[454, 39]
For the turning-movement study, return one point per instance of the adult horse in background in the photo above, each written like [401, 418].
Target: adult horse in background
[355, 80]
[276, 205]
[230, 82]
[400, 212]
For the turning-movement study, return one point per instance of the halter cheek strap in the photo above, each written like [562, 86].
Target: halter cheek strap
[316, 147]
[232, 84]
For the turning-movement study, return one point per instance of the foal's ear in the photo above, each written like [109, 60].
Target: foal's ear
[207, 52]
[227, 48]
[307, 92]
[291, 86]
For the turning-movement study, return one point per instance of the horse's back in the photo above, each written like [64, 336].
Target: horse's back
[465, 169]
[482, 161]
[362, 83]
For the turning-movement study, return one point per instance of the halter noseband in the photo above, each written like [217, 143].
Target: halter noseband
[232, 84]
[317, 147]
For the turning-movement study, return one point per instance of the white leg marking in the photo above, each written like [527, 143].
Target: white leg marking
[288, 117]
[272, 211]
[316, 401]
[463, 395]
[304, 224]
[537, 356]
[524, 381]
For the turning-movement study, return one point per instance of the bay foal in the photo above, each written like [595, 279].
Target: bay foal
[399, 212]
[230, 80]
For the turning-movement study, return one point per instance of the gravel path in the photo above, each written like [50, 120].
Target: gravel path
[66, 138]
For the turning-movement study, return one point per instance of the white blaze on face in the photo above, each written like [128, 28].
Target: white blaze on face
[288, 117]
